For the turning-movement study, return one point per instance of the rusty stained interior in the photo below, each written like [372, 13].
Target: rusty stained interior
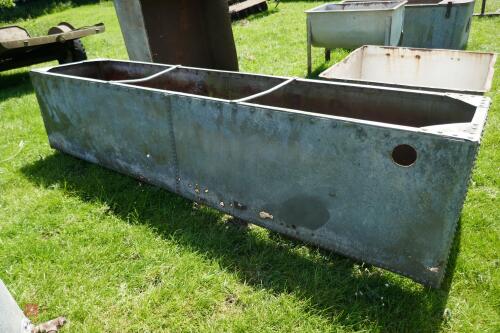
[107, 70]
[213, 84]
[194, 33]
[373, 104]
[366, 103]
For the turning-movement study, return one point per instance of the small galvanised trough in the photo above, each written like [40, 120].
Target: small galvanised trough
[378, 174]
[423, 69]
[442, 24]
[353, 24]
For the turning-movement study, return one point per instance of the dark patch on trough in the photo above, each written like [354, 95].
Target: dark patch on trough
[305, 211]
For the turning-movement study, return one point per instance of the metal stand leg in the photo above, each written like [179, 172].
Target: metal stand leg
[309, 51]
[328, 53]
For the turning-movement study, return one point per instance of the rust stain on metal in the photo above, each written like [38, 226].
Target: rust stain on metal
[266, 216]
[189, 32]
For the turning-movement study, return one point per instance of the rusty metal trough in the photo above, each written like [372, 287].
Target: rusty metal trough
[377, 174]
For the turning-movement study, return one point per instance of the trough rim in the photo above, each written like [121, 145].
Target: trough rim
[486, 87]
[479, 102]
[396, 5]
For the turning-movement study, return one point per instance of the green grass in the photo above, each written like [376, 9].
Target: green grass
[115, 255]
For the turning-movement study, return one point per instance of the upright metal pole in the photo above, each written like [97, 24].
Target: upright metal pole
[483, 7]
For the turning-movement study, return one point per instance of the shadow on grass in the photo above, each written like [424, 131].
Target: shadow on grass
[335, 287]
[15, 84]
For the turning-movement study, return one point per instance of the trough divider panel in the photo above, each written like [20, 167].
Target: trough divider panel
[148, 78]
[265, 92]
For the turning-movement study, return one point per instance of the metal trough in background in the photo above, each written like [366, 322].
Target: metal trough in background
[423, 69]
[351, 25]
[377, 174]
[442, 24]
[188, 32]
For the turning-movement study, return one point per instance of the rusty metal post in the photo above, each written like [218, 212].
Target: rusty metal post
[194, 33]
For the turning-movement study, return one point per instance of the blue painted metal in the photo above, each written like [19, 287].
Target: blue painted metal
[377, 174]
[442, 24]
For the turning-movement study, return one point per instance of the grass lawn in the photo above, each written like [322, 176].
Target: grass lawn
[115, 255]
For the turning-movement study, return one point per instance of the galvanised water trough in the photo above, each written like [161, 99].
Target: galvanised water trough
[442, 24]
[353, 24]
[374, 173]
[423, 69]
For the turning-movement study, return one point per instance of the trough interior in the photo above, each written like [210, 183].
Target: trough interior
[109, 70]
[209, 83]
[381, 105]
[388, 106]
[444, 69]
[223, 85]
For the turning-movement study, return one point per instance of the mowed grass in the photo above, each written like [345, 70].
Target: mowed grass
[115, 255]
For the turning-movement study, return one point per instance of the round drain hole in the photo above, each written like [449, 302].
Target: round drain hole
[404, 155]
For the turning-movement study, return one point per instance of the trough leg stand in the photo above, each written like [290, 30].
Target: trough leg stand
[328, 53]
[309, 60]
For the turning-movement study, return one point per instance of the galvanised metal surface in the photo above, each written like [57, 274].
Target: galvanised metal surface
[377, 174]
[424, 69]
[442, 24]
[188, 32]
[353, 24]
[12, 318]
